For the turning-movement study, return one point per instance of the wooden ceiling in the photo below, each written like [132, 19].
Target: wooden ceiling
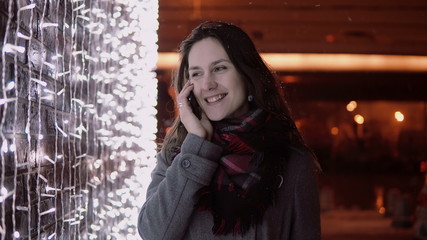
[390, 27]
[306, 26]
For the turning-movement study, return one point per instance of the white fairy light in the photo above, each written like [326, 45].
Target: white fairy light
[51, 236]
[21, 208]
[84, 17]
[57, 56]
[49, 159]
[47, 195]
[60, 92]
[52, 189]
[28, 7]
[81, 156]
[79, 8]
[60, 130]
[12, 147]
[43, 178]
[4, 191]
[21, 35]
[45, 25]
[10, 85]
[10, 48]
[5, 149]
[48, 211]
[49, 65]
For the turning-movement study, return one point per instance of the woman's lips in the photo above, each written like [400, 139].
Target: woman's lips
[215, 98]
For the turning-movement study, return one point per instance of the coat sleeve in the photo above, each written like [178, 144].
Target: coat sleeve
[306, 225]
[171, 195]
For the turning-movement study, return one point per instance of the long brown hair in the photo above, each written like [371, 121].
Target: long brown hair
[260, 81]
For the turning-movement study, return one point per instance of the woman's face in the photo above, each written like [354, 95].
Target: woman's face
[218, 87]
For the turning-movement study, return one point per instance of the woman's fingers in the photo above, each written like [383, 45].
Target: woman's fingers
[201, 127]
[183, 95]
[185, 112]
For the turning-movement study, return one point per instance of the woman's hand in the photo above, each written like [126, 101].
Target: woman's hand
[200, 127]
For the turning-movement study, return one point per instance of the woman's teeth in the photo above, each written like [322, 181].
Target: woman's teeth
[215, 98]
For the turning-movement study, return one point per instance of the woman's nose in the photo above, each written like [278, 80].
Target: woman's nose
[209, 82]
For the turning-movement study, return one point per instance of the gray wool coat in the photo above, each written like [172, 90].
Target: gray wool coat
[168, 212]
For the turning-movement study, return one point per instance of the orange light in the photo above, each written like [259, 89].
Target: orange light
[399, 116]
[298, 124]
[330, 38]
[335, 131]
[423, 166]
[379, 201]
[290, 79]
[351, 106]
[359, 119]
[325, 62]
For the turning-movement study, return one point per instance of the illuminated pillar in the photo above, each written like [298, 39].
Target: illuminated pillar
[77, 128]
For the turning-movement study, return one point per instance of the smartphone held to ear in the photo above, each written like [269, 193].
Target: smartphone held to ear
[194, 105]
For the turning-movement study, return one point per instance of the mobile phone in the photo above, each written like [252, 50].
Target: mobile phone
[194, 105]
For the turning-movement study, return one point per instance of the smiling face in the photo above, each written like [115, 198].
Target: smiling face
[218, 87]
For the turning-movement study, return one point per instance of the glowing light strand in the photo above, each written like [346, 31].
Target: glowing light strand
[57, 58]
[2, 136]
[73, 82]
[60, 150]
[28, 120]
[39, 122]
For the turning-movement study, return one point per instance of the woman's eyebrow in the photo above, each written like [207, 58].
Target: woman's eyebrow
[212, 64]
[219, 61]
[193, 68]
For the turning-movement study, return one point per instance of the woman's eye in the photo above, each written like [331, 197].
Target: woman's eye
[195, 74]
[219, 68]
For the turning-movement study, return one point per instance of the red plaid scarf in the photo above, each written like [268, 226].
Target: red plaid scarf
[246, 180]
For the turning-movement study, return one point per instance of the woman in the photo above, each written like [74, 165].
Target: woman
[233, 165]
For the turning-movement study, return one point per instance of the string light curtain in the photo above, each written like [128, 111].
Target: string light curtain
[77, 116]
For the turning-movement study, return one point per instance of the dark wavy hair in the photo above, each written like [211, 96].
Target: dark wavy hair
[259, 79]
